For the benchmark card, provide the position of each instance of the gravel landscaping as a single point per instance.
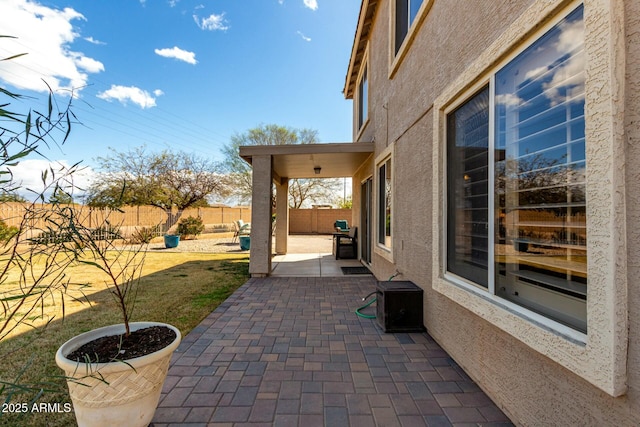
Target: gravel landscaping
(208, 244)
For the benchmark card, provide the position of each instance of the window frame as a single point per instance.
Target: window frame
(599, 356)
(386, 157)
(361, 122)
(397, 55)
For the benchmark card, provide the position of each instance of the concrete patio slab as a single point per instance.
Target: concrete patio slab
(309, 265)
(292, 351)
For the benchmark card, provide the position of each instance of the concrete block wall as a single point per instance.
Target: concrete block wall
(316, 221)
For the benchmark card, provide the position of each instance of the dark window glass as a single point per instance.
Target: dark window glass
(467, 189)
(363, 100)
(406, 12)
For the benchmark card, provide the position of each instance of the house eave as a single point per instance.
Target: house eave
(365, 20)
(335, 160)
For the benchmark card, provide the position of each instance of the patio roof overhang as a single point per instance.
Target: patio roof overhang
(335, 160)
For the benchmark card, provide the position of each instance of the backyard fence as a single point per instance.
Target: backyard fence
(129, 218)
(316, 221)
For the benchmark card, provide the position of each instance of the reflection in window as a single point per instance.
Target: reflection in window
(406, 12)
(538, 221)
(468, 189)
(363, 99)
(384, 204)
(541, 256)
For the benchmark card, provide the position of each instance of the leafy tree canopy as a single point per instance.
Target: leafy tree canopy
(301, 191)
(61, 197)
(9, 196)
(164, 179)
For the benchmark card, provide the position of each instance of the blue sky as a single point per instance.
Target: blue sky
(180, 74)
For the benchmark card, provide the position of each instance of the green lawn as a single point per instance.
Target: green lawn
(176, 288)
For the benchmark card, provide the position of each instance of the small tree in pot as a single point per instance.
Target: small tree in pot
(39, 255)
(115, 373)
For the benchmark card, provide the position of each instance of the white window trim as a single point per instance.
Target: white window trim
(600, 356)
(396, 58)
(378, 248)
(363, 67)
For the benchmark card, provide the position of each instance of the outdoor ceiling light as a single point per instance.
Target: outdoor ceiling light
(317, 170)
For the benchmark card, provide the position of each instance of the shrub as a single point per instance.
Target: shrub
(106, 232)
(52, 237)
(7, 232)
(144, 235)
(190, 226)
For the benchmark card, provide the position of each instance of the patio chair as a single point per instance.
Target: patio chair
(347, 244)
(341, 226)
(241, 228)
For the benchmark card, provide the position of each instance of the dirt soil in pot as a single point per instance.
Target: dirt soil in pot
(118, 347)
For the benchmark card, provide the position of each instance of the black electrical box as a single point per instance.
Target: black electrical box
(399, 306)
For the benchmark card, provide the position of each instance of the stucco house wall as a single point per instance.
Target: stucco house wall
(531, 387)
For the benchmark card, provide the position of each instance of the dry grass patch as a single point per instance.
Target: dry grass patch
(176, 288)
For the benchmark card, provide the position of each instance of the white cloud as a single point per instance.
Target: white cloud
(45, 34)
(173, 3)
(532, 74)
(569, 76)
(311, 4)
(508, 99)
(212, 23)
(88, 64)
(94, 41)
(177, 53)
(305, 38)
(124, 94)
(28, 175)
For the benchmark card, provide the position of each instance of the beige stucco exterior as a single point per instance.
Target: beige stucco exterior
(538, 374)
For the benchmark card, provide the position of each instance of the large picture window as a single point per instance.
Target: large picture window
(516, 208)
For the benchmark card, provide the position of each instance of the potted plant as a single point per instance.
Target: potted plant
(53, 236)
(244, 234)
(245, 242)
(115, 373)
(171, 240)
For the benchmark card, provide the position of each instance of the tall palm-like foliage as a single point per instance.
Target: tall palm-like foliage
(41, 241)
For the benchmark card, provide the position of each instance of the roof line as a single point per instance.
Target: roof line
(367, 9)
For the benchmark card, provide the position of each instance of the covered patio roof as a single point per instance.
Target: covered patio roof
(335, 160)
(279, 164)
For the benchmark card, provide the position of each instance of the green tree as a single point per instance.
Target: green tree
(9, 196)
(342, 203)
(172, 181)
(166, 179)
(61, 197)
(301, 191)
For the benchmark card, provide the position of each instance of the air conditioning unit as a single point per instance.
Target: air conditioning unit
(399, 306)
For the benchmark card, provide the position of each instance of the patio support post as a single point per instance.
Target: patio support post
(260, 255)
(282, 215)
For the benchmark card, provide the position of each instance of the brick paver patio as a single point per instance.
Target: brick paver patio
(292, 352)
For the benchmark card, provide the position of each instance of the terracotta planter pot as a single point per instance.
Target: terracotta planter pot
(116, 393)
